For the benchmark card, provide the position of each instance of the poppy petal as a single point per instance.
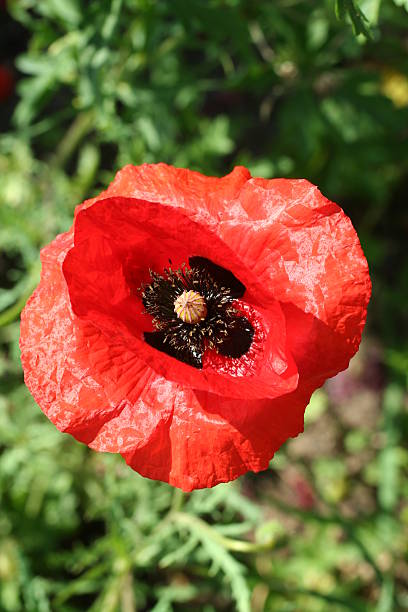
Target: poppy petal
(212, 439)
(306, 254)
(80, 378)
(177, 187)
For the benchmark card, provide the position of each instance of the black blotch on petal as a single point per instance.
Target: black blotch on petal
(239, 339)
(191, 354)
(221, 275)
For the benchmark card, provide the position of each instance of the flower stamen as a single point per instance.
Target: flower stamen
(192, 312)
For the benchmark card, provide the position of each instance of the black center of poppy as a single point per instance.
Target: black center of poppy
(208, 291)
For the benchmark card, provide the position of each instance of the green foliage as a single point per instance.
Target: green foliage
(349, 8)
(289, 89)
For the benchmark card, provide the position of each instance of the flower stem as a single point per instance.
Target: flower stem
(177, 501)
(75, 133)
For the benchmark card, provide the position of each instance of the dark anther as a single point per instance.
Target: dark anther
(193, 309)
(222, 276)
(191, 354)
(239, 339)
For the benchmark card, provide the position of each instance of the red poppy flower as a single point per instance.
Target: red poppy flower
(184, 321)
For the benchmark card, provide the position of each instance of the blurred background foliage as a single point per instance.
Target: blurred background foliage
(315, 89)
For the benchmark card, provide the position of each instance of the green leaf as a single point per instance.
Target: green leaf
(403, 3)
(219, 557)
(358, 19)
(67, 10)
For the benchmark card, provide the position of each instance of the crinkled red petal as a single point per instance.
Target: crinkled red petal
(178, 187)
(307, 255)
(80, 378)
(212, 439)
